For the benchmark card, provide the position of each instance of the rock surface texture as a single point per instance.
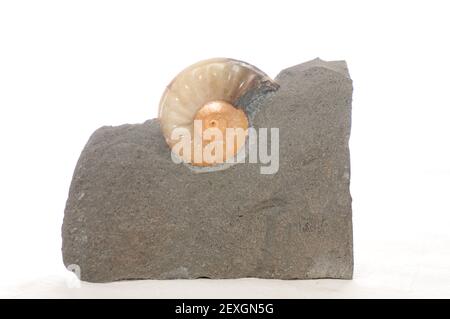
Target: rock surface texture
(134, 214)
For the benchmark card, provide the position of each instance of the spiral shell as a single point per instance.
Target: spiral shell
(209, 91)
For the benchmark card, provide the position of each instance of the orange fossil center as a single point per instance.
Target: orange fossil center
(222, 132)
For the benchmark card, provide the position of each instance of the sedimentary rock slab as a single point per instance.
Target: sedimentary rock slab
(134, 214)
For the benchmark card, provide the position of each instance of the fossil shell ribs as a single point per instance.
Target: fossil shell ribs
(212, 80)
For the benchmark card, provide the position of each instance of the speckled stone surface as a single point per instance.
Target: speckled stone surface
(134, 214)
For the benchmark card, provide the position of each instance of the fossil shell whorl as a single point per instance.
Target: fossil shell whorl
(209, 91)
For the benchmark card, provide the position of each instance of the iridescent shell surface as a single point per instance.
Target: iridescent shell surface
(213, 80)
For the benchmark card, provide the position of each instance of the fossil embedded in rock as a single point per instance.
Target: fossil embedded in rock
(208, 96)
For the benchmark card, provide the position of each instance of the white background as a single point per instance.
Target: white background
(69, 67)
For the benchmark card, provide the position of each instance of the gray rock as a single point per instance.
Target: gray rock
(134, 214)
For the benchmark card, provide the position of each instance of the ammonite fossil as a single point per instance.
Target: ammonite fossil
(215, 94)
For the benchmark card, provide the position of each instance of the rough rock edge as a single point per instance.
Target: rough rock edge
(338, 67)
